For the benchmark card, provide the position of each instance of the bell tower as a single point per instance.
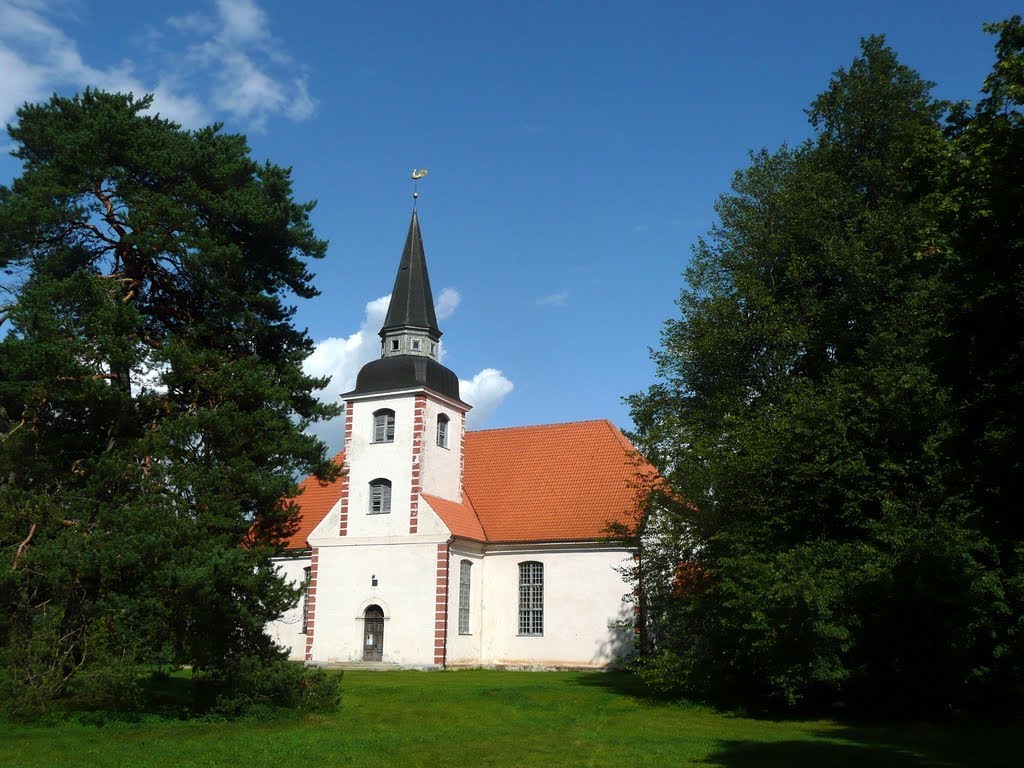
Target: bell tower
(405, 421)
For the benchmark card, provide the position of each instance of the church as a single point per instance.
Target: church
(441, 548)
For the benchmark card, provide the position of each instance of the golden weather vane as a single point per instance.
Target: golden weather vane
(417, 174)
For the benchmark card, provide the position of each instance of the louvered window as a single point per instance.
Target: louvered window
(531, 598)
(442, 431)
(380, 496)
(465, 571)
(384, 426)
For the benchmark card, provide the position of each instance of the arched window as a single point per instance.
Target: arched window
(465, 569)
(531, 598)
(384, 426)
(380, 496)
(442, 430)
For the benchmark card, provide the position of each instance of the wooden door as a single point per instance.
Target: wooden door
(373, 634)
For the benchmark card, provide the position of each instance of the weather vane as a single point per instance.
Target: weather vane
(417, 174)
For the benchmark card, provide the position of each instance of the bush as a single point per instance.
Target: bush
(256, 686)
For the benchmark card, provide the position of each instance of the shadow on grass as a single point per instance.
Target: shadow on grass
(748, 754)
(882, 744)
(879, 747)
(624, 684)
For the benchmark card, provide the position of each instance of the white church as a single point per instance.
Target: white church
(442, 548)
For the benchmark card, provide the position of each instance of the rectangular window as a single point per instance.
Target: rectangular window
(384, 426)
(531, 598)
(380, 497)
(307, 573)
(465, 569)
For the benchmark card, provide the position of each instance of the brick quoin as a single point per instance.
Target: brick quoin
(311, 615)
(441, 605)
(417, 455)
(462, 453)
(343, 509)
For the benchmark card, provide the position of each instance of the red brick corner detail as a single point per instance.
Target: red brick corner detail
(343, 511)
(418, 422)
(441, 606)
(311, 615)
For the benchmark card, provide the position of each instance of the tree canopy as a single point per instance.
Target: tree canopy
(152, 401)
(839, 404)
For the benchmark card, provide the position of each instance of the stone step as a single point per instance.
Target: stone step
(379, 666)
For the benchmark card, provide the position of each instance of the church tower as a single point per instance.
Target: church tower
(405, 422)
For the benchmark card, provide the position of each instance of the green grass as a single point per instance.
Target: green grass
(487, 718)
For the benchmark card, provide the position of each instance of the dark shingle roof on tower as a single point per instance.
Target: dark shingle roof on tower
(412, 303)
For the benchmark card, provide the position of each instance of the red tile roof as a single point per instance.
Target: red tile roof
(461, 519)
(315, 500)
(553, 482)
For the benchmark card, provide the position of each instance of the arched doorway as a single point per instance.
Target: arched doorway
(373, 631)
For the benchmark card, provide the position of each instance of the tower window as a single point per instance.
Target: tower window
(416, 344)
(442, 430)
(531, 598)
(384, 426)
(380, 496)
(394, 343)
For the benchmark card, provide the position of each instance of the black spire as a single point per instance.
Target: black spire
(412, 304)
(410, 338)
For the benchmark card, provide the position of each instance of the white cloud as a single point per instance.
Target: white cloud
(243, 20)
(341, 357)
(199, 67)
(485, 392)
(447, 302)
(559, 299)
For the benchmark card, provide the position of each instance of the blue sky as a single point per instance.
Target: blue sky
(575, 149)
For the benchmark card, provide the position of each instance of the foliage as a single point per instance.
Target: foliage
(492, 718)
(152, 399)
(814, 408)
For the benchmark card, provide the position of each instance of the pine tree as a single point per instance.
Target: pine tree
(152, 400)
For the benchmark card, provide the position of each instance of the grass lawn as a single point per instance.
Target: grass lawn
(487, 718)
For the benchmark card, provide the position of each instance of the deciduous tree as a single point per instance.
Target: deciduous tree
(802, 409)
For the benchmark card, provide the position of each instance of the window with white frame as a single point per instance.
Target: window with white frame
(465, 573)
(384, 426)
(442, 430)
(380, 496)
(531, 598)
(307, 575)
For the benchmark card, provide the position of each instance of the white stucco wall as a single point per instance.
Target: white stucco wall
(368, 461)
(464, 650)
(583, 602)
(405, 569)
(441, 466)
(287, 631)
